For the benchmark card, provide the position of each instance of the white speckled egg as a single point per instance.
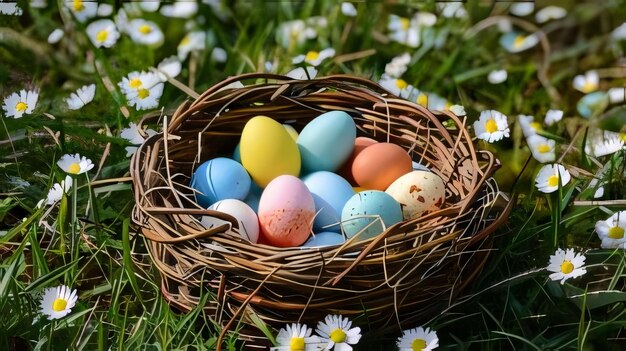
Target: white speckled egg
(418, 193)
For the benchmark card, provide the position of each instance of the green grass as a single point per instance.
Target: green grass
(511, 305)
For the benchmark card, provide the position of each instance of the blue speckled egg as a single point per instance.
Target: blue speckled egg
(371, 209)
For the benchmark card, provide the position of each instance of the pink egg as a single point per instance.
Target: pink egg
(286, 212)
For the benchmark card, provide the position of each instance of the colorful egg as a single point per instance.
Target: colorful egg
(218, 179)
(379, 165)
(268, 151)
(360, 143)
(248, 221)
(330, 193)
(286, 212)
(418, 192)
(324, 239)
(327, 141)
(369, 213)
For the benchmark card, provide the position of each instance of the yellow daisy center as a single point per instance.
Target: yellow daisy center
(21, 106)
(312, 55)
(145, 29)
(59, 305)
(338, 335)
(535, 125)
(567, 267)
(102, 35)
(78, 5)
(543, 148)
(405, 23)
(418, 344)
(185, 41)
(589, 86)
(422, 99)
(553, 180)
(135, 83)
(519, 41)
(616, 233)
(491, 126)
(401, 83)
(143, 93)
(296, 344)
(74, 168)
(447, 106)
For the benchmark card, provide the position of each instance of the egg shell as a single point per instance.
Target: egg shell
(268, 151)
(379, 165)
(254, 196)
(367, 209)
(220, 178)
(286, 212)
(292, 131)
(418, 193)
(327, 141)
(248, 220)
(237, 153)
(324, 239)
(330, 193)
(360, 143)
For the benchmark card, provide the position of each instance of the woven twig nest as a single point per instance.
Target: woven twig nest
(404, 276)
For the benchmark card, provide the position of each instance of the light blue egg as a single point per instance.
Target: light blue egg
(330, 193)
(592, 104)
(367, 209)
(254, 196)
(420, 167)
(324, 239)
(326, 142)
(218, 179)
(237, 153)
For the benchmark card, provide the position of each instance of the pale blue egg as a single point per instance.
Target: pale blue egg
(330, 193)
(324, 239)
(218, 179)
(237, 153)
(371, 209)
(326, 142)
(592, 104)
(254, 196)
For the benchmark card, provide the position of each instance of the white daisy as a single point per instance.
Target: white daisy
(300, 74)
(619, 33)
(219, 55)
(418, 339)
(296, 337)
(149, 5)
(145, 32)
(121, 20)
(396, 86)
(602, 143)
(542, 148)
(135, 80)
(82, 10)
(547, 180)
(522, 8)
(431, 101)
(180, 9)
(16, 105)
(55, 36)
(452, 9)
(566, 264)
(335, 331)
(552, 117)
(136, 136)
(516, 42)
(587, 83)
(103, 33)
(549, 13)
(458, 110)
(55, 194)
(143, 91)
(398, 65)
(348, 9)
(81, 97)
(294, 33)
(528, 125)
(617, 95)
(405, 31)
(497, 76)
(611, 231)
(10, 9)
(58, 302)
(193, 41)
(169, 68)
(38, 4)
(314, 58)
(491, 126)
(74, 164)
(104, 10)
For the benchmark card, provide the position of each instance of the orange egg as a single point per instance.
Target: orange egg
(360, 143)
(379, 165)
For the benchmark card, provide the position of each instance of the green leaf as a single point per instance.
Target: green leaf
(614, 120)
(595, 299)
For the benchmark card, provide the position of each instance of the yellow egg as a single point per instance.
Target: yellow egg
(292, 132)
(268, 151)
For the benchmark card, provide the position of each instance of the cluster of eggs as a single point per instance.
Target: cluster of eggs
(314, 188)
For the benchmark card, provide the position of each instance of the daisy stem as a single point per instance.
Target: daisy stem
(17, 164)
(75, 242)
(556, 216)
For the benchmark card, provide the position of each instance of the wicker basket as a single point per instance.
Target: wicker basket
(404, 276)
